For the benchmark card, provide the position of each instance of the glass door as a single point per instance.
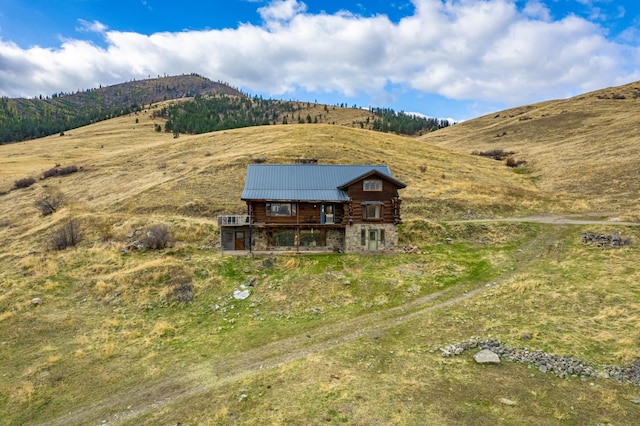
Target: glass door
(327, 213)
(373, 239)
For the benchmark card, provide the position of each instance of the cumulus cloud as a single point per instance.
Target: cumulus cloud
(487, 51)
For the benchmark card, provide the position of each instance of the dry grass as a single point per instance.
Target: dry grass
(111, 322)
(583, 147)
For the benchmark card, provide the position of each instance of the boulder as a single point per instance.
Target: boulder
(486, 356)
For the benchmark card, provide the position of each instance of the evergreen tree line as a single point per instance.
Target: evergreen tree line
(387, 120)
(39, 119)
(222, 112)
(208, 114)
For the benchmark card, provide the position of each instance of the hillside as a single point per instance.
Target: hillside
(584, 147)
(23, 119)
(103, 333)
(194, 105)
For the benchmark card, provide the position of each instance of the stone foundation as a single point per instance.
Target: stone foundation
(358, 237)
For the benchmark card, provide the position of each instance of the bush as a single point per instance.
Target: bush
(512, 162)
(59, 171)
(157, 237)
(24, 183)
(48, 203)
(497, 154)
(68, 235)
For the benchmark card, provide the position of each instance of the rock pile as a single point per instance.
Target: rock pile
(561, 366)
(411, 249)
(605, 240)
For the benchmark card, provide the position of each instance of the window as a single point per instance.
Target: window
(312, 238)
(283, 238)
(281, 209)
(372, 211)
(372, 185)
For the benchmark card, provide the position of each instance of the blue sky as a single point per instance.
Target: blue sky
(445, 58)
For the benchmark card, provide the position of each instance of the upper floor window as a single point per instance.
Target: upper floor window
(372, 185)
(281, 209)
(372, 211)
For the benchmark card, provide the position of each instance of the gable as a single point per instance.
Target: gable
(373, 174)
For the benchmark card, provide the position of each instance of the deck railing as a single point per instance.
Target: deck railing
(233, 220)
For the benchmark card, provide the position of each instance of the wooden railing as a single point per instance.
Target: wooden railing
(233, 220)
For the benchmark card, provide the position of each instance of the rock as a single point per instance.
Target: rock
(241, 294)
(347, 282)
(525, 336)
(543, 368)
(267, 263)
(506, 401)
(411, 249)
(393, 282)
(486, 356)
(252, 281)
(635, 400)
(36, 301)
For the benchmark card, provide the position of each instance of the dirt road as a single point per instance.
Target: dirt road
(552, 220)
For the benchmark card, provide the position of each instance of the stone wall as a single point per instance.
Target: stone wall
(335, 239)
(259, 240)
(353, 237)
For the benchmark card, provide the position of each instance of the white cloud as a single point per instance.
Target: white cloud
(468, 50)
(93, 27)
(281, 10)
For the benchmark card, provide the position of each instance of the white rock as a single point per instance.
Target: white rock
(486, 356)
(241, 295)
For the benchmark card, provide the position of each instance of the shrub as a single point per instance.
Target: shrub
(68, 235)
(497, 154)
(183, 289)
(48, 203)
(24, 183)
(512, 162)
(59, 171)
(157, 237)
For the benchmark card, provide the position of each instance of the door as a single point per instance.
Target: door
(239, 240)
(373, 239)
(327, 214)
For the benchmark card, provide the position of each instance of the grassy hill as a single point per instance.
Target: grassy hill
(101, 333)
(581, 147)
(24, 119)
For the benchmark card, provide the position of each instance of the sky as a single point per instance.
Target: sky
(456, 59)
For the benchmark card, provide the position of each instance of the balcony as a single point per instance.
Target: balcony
(233, 220)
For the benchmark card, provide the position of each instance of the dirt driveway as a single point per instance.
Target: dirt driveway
(552, 219)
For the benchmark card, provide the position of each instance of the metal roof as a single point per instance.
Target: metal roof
(303, 182)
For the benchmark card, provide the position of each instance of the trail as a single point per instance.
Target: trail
(201, 378)
(551, 219)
